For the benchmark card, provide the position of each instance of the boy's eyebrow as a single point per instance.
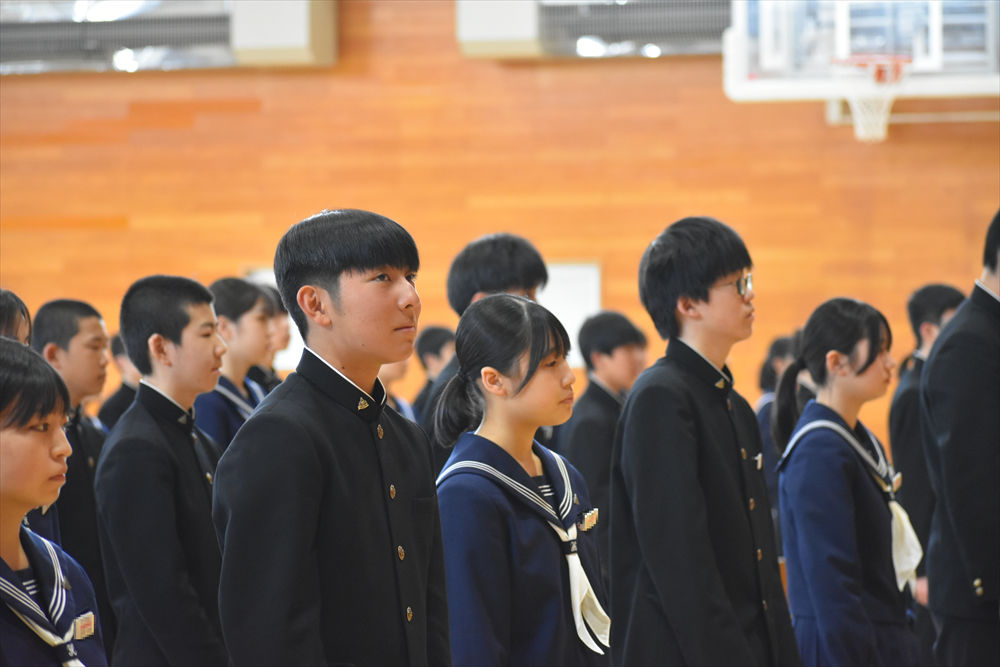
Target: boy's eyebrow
(208, 323)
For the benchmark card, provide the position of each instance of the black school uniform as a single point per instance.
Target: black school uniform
(694, 575)
(331, 540)
(116, 405)
(161, 556)
(960, 418)
(586, 440)
(77, 507)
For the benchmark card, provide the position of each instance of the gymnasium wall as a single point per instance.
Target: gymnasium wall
(105, 178)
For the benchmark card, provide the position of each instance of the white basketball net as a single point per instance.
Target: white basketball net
(870, 105)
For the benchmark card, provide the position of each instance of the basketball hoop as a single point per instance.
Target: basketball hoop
(871, 99)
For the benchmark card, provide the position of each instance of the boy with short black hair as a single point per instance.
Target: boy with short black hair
(614, 351)
(154, 482)
(694, 573)
(491, 264)
(435, 347)
(70, 335)
(325, 505)
(116, 404)
(929, 308)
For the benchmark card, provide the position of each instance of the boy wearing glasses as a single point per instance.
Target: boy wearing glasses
(694, 572)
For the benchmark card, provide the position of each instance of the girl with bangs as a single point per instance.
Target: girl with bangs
(849, 546)
(522, 567)
(49, 612)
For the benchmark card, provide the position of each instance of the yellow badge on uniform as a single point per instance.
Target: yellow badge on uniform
(83, 626)
(589, 520)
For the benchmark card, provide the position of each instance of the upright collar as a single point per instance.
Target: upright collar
(164, 408)
(340, 388)
(983, 297)
(599, 384)
(475, 454)
(694, 362)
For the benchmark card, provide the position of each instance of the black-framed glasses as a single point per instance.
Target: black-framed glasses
(744, 284)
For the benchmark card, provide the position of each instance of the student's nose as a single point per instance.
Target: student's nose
(105, 358)
(569, 377)
(61, 449)
(409, 297)
(220, 346)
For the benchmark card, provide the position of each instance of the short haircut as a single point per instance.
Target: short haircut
(274, 296)
(684, 261)
(234, 297)
(29, 386)
(929, 304)
(431, 340)
(58, 321)
(492, 264)
(992, 246)
(606, 331)
(157, 305)
(12, 309)
(783, 346)
(117, 346)
(317, 250)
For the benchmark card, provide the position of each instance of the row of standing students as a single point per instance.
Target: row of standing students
(358, 574)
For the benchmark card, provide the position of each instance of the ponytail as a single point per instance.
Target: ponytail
(458, 410)
(786, 409)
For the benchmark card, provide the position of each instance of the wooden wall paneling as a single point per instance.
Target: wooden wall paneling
(105, 178)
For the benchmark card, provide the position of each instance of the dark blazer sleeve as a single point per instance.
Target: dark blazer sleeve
(659, 463)
(265, 510)
(477, 567)
(965, 431)
(915, 493)
(168, 602)
(817, 487)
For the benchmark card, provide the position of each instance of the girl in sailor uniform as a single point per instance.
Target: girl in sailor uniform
(849, 546)
(244, 311)
(523, 571)
(49, 612)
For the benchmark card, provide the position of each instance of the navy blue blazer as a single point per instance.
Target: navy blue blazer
(221, 412)
(331, 540)
(508, 580)
(837, 533)
(161, 556)
(960, 418)
(63, 586)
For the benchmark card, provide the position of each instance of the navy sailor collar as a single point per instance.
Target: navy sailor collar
(477, 455)
(52, 587)
(337, 386)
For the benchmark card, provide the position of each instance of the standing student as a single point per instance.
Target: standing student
(614, 351)
(523, 570)
(244, 313)
(264, 374)
(694, 570)
(116, 404)
(843, 531)
(491, 264)
(929, 309)
(48, 612)
(324, 502)
(15, 320)
(779, 355)
(154, 483)
(70, 335)
(960, 416)
(15, 323)
(435, 347)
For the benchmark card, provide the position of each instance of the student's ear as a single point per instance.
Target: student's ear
(597, 360)
(316, 303)
(493, 381)
(51, 353)
(688, 308)
(836, 363)
(158, 350)
(928, 331)
(226, 327)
